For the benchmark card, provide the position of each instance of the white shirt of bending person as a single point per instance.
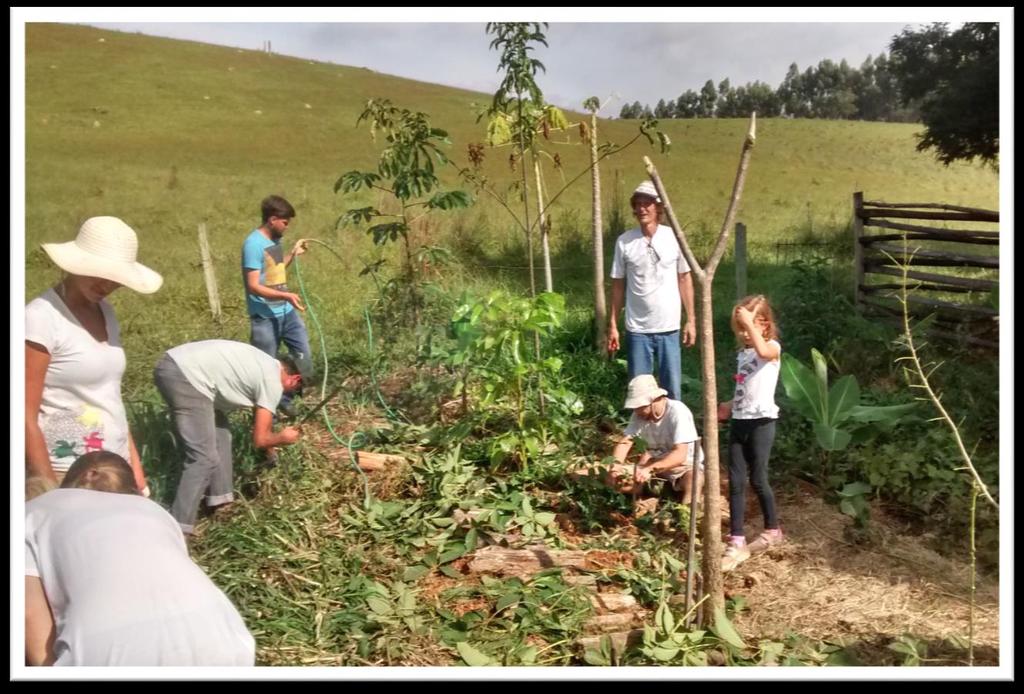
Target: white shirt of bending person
(122, 588)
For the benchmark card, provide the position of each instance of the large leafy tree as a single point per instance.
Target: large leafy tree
(954, 79)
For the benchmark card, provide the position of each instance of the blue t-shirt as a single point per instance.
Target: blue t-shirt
(260, 253)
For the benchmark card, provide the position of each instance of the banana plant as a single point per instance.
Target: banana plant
(836, 412)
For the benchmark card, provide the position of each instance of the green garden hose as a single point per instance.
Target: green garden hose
(358, 438)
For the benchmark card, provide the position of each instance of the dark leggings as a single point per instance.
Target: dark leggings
(750, 444)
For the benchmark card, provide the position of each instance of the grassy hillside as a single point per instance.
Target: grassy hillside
(169, 134)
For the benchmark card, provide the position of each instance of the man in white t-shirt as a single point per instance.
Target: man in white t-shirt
(653, 280)
(667, 427)
(201, 382)
(108, 580)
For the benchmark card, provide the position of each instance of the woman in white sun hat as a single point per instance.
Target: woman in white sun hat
(74, 360)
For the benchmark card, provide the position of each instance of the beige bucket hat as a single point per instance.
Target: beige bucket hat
(105, 247)
(643, 390)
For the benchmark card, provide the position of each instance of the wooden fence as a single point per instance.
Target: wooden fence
(970, 321)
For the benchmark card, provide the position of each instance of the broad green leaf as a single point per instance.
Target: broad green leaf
(831, 439)
(855, 489)
(506, 600)
(664, 654)
(527, 510)
(696, 658)
(414, 573)
(801, 388)
(594, 656)
(844, 657)
(451, 555)
(842, 397)
(820, 372)
(672, 563)
(724, 630)
(888, 413)
(544, 518)
(450, 200)
(846, 507)
(379, 605)
(472, 656)
(450, 571)
(695, 637)
(666, 622)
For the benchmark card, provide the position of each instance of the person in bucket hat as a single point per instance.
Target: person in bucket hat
(201, 382)
(652, 280)
(667, 427)
(74, 359)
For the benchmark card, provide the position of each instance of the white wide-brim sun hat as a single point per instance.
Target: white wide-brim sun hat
(643, 390)
(105, 247)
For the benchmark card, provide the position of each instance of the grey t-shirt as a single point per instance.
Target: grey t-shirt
(232, 374)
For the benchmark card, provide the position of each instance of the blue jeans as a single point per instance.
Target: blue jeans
(644, 351)
(267, 333)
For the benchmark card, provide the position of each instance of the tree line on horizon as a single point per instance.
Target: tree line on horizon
(828, 90)
(946, 80)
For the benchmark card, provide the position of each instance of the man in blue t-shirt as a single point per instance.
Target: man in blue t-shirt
(272, 308)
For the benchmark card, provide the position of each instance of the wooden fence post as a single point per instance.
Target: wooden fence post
(741, 260)
(858, 249)
(208, 273)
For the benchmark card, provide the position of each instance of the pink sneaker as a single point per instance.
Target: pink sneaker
(736, 552)
(769, 538)
(734, 556)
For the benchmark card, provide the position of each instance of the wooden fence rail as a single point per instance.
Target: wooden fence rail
(883, 254)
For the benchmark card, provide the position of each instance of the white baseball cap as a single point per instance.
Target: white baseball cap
(646, 188)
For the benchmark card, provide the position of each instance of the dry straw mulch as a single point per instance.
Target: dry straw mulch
(820, 585)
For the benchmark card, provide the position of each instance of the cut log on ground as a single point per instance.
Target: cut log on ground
(372, 462)
(612, 602)
(616, 621)
(524, 562)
